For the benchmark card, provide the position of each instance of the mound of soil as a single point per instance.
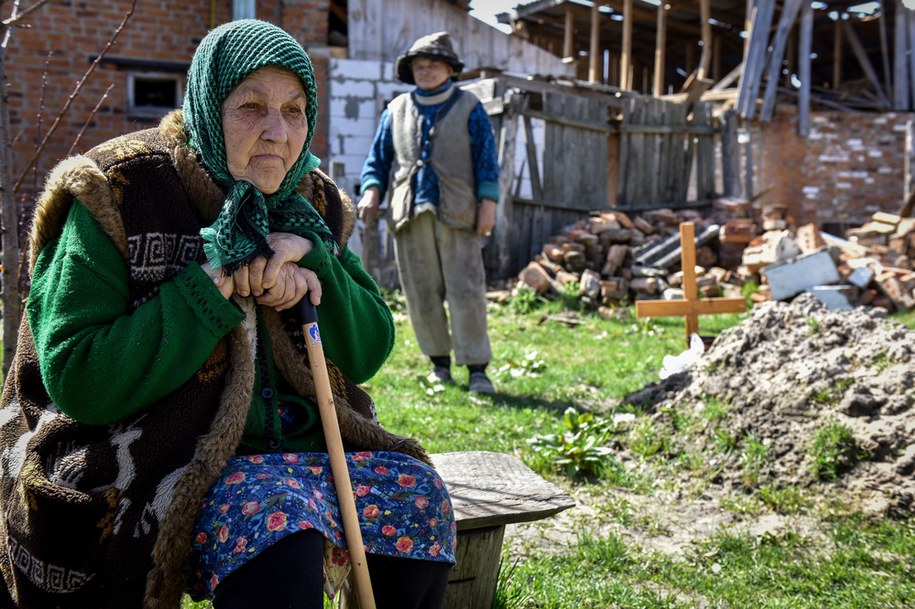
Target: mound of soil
(786, 373)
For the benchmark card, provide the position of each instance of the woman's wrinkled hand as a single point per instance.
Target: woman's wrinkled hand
(262, 273)
(293, 283)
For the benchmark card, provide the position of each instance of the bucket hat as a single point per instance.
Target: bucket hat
(434, 46)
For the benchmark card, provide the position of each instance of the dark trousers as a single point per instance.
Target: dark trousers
(289, 575)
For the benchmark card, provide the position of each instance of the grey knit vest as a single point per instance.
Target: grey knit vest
(450, 159)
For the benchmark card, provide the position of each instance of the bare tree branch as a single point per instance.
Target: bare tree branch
(89, 120)
(44, 89)
(74, 95)
(16, 17)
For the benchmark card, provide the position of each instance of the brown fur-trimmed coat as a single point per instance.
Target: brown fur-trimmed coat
(100, 517)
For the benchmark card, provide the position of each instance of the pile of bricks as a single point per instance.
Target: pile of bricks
(872, 265)
(615, 258)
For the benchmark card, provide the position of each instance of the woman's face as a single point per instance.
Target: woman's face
(429, 74)
(265, 127)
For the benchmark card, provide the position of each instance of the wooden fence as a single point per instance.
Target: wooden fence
(599, 150)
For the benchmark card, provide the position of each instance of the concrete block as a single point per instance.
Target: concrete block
(836, 297)
(787, 279)
(861, 276)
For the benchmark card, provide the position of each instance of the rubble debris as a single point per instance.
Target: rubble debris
(617, 258)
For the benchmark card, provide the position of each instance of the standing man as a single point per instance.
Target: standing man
(435, 150)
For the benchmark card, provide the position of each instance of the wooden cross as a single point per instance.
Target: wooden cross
(691, 306)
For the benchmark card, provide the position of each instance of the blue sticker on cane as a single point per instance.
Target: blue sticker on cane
(314, 334)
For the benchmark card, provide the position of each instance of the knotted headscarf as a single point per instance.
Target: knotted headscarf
(224, 58)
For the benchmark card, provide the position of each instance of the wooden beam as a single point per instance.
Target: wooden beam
(754, 60)
(805, 47)
(884, 48)
(706, 28)
(569, 36)
(626, 53)
(594, 49)
(507, 233)
(900, 59)
(909, 162)
(837, 54)
(730, 153)
(776, 56)
(864, 62)
(660, 46)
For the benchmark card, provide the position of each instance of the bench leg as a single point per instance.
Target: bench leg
(472, 583)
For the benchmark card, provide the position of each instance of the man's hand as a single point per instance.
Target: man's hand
(486, 217)
(369, 204)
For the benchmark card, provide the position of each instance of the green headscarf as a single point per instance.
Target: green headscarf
(225, 57)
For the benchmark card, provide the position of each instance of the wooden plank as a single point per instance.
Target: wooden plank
(652, 186)
(626, 47)
(705, 153)
(755, 56)
(910, 20)
(568, 37)
(532, 159)
(805, 46)
(623, 163)
(884, 49)
(908, 168)
(493, 489)
(706, 29)
(730, 154)
(776, 56)
(901, 88)
(659, 48)
(837, 54)
(569, 122)
(682, 153)
(864, 62)
(506, 231)
(594, 48)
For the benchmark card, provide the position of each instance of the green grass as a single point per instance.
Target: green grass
(543, 366)
(546, 363)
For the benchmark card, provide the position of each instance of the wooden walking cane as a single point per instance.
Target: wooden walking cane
(308, 315)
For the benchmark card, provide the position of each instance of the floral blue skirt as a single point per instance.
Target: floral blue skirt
(402, 504)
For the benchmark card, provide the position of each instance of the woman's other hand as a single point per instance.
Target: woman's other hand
(225, 284)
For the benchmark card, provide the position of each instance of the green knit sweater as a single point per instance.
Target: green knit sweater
(78, 311)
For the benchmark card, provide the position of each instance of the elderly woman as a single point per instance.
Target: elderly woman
(159, 432)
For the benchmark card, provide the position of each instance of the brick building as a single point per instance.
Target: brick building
(143, 72)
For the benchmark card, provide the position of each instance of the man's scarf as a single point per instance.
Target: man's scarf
(225, 57)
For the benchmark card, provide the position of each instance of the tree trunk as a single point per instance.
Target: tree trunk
(9, 228)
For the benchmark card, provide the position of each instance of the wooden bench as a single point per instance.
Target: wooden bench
(488, 491)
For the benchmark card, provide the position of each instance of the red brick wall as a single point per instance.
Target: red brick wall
(72, 32)
(849, 166)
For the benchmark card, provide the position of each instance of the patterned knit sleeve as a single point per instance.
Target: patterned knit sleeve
(100, 360)
(484, 154)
